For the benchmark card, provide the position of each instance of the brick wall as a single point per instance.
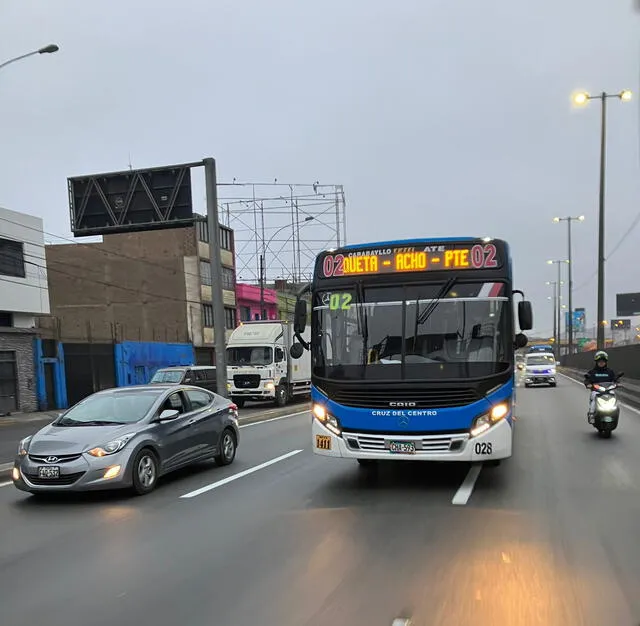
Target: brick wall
(131, 287)
(22, 345)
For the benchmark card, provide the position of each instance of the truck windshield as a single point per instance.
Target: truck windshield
(541, 359)
(249, 355)
(403, 333)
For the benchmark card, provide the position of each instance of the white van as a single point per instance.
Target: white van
(540, 369)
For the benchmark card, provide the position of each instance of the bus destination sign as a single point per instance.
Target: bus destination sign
(410, 259)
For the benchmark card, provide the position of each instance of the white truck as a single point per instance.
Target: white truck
(259, 366)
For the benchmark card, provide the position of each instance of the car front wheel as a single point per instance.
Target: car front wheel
(145, 472)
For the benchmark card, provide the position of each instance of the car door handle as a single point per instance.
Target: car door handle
(192, 421)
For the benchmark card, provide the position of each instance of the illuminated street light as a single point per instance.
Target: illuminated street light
(582, 99)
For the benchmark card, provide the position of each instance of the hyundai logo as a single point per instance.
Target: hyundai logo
(51, 459)
(402, 404)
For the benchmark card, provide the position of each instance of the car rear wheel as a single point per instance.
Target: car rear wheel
(228, 447)
(145, 472)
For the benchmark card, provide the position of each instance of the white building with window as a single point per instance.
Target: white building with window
(23, 296)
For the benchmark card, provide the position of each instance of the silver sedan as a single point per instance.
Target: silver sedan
(127, 438)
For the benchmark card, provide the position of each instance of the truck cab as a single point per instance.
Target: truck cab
(259, 367)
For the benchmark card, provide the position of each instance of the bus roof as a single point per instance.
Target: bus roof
(399, 242)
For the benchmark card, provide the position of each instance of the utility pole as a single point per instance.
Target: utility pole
(215, 260)
(262, 278)
(570, 325)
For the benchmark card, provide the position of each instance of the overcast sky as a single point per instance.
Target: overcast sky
(438, 117)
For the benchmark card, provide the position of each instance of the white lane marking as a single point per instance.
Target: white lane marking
(251, 470)
(624, 404)
(466, 488)
(401, 621)
(5, 466)
(274, 419)
(6, 484)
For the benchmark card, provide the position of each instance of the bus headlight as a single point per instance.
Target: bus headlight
(484, 422)
(327, 420)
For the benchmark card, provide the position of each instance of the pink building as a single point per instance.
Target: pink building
(248, 303)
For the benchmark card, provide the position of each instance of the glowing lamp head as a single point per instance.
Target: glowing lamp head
(581, 98)
(626, 95)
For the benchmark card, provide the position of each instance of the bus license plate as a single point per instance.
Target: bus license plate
(323, 442)
(49, 472)
(402, 447)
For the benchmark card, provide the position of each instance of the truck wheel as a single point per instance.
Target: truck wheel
(239, 402)
(281, 395)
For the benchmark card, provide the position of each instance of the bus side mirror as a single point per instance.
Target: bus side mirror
(300, 318)
(525, 315)
(296, 350)
(521, 341)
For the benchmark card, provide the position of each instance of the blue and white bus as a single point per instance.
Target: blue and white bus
(412, 346)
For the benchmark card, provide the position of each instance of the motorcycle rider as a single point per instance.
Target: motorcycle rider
(601, 373)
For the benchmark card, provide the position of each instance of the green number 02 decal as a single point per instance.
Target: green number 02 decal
(340, 301)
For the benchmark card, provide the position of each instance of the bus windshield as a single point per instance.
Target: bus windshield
(389, 333)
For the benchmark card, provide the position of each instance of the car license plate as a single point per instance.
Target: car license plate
(49, 472)
(402, 447)
(323, 442)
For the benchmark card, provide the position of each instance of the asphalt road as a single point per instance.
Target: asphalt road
(548, 538)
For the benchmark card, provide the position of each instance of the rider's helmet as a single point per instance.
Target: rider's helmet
(601, 355)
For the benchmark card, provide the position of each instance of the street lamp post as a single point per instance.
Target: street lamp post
(568, 220)
(556, 306)
(262, 260)
(559, 263)
(51, 48)
(582, 99)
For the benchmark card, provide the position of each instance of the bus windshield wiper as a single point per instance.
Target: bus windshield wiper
(421, 318)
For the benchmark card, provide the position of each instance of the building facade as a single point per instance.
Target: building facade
(134, 302)
(23, 297)
(249, 303)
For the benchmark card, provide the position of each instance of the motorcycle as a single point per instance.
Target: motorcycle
(607, 410)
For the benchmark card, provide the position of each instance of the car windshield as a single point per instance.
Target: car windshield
(249, 355)
(168, 376)
(118, 407)
(405, 333)
(541, 359)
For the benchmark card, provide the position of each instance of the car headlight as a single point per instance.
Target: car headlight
(484, 422)
(269, 384)
(112, 447)
(328, 421)
(23, 446)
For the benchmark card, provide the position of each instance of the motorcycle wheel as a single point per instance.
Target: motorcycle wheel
(605, 434)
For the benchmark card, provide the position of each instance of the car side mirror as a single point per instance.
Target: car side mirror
(168, 414)
(296, 350)
(300, 318)
(525, 315)
(521, 340)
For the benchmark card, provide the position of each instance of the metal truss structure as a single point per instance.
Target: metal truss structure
(284, 225)
(129, 201)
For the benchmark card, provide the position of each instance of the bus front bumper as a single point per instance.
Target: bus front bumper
(494, 444)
